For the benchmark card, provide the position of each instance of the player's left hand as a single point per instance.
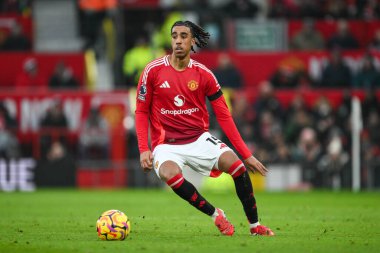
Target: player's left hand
(255, 165)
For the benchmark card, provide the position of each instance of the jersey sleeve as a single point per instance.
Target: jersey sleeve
(212, 85)
(143, 103)
(228, 126)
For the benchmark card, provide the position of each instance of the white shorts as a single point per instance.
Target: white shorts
(201, 155)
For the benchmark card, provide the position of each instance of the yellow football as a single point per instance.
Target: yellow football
(113, 225)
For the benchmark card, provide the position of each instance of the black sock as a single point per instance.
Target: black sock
(188, 192)
(244, 190)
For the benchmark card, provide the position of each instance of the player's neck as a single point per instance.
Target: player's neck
(179, 63)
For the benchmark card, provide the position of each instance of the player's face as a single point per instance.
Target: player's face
(182, 40)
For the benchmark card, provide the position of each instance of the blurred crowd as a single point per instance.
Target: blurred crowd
(23, 7)
(353, 9)
(32, 78)
(152, 40)
(316, 136)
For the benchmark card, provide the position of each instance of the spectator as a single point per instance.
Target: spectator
(282, 153)
(63, 78)
(372, 148)
(267, 121)
(9, 146)
(370, 103)
(334, 166)
(3, 36)
(370, 143)
(53, 131)
(336, 74)
(368, 76)
(309, 38)
(285, 77)
(267, 128)
(371, 137)
(324, 118)
(342, 38)
(307, 153)
(373, 126)
(299, 117)
(336, 9)
(290, 74)
(343, 114)
(55, 117)
(310, 9)
(282, 9)
(240, 9)
(375, 43)
(31, 77)
(93, 13)
(368, 9)
(266, 101)
(23, 7)
(94, 137)
(246, 132)
(227, 74)
(242, 115)
(16, 40)
(136, 59)
(297, 104)
(9, 121)
(56, 166)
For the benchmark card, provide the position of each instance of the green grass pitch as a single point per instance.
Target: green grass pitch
(64, 221)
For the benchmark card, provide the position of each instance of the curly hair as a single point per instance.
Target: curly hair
(200, 35)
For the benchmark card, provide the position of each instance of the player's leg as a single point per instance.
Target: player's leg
(229, 162)
(171, 173)
(168, 163)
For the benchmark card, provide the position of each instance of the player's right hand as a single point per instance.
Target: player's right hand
(146, 160)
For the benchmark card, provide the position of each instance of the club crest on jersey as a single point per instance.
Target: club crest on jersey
(142, 92)
(192, 85)
(156, 164)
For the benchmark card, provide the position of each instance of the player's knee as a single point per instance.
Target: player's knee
(226, 160)
(168, 170)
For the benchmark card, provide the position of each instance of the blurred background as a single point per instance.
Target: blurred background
(302, 79)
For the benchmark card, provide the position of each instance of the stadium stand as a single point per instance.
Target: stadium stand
(309, 125)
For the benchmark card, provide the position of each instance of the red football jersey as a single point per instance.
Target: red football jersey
(175, 100)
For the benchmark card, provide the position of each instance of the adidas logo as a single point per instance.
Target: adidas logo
(165, 85)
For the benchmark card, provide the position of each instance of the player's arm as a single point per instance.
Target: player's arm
(228, 126)
(143, 101)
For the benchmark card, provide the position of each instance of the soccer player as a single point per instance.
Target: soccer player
(171, 96)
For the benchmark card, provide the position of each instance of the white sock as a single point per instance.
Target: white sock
(254, 225)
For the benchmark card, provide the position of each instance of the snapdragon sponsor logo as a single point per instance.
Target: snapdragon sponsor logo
(179, 111)
(179, 100)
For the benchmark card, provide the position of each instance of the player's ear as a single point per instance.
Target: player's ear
(192, 41)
